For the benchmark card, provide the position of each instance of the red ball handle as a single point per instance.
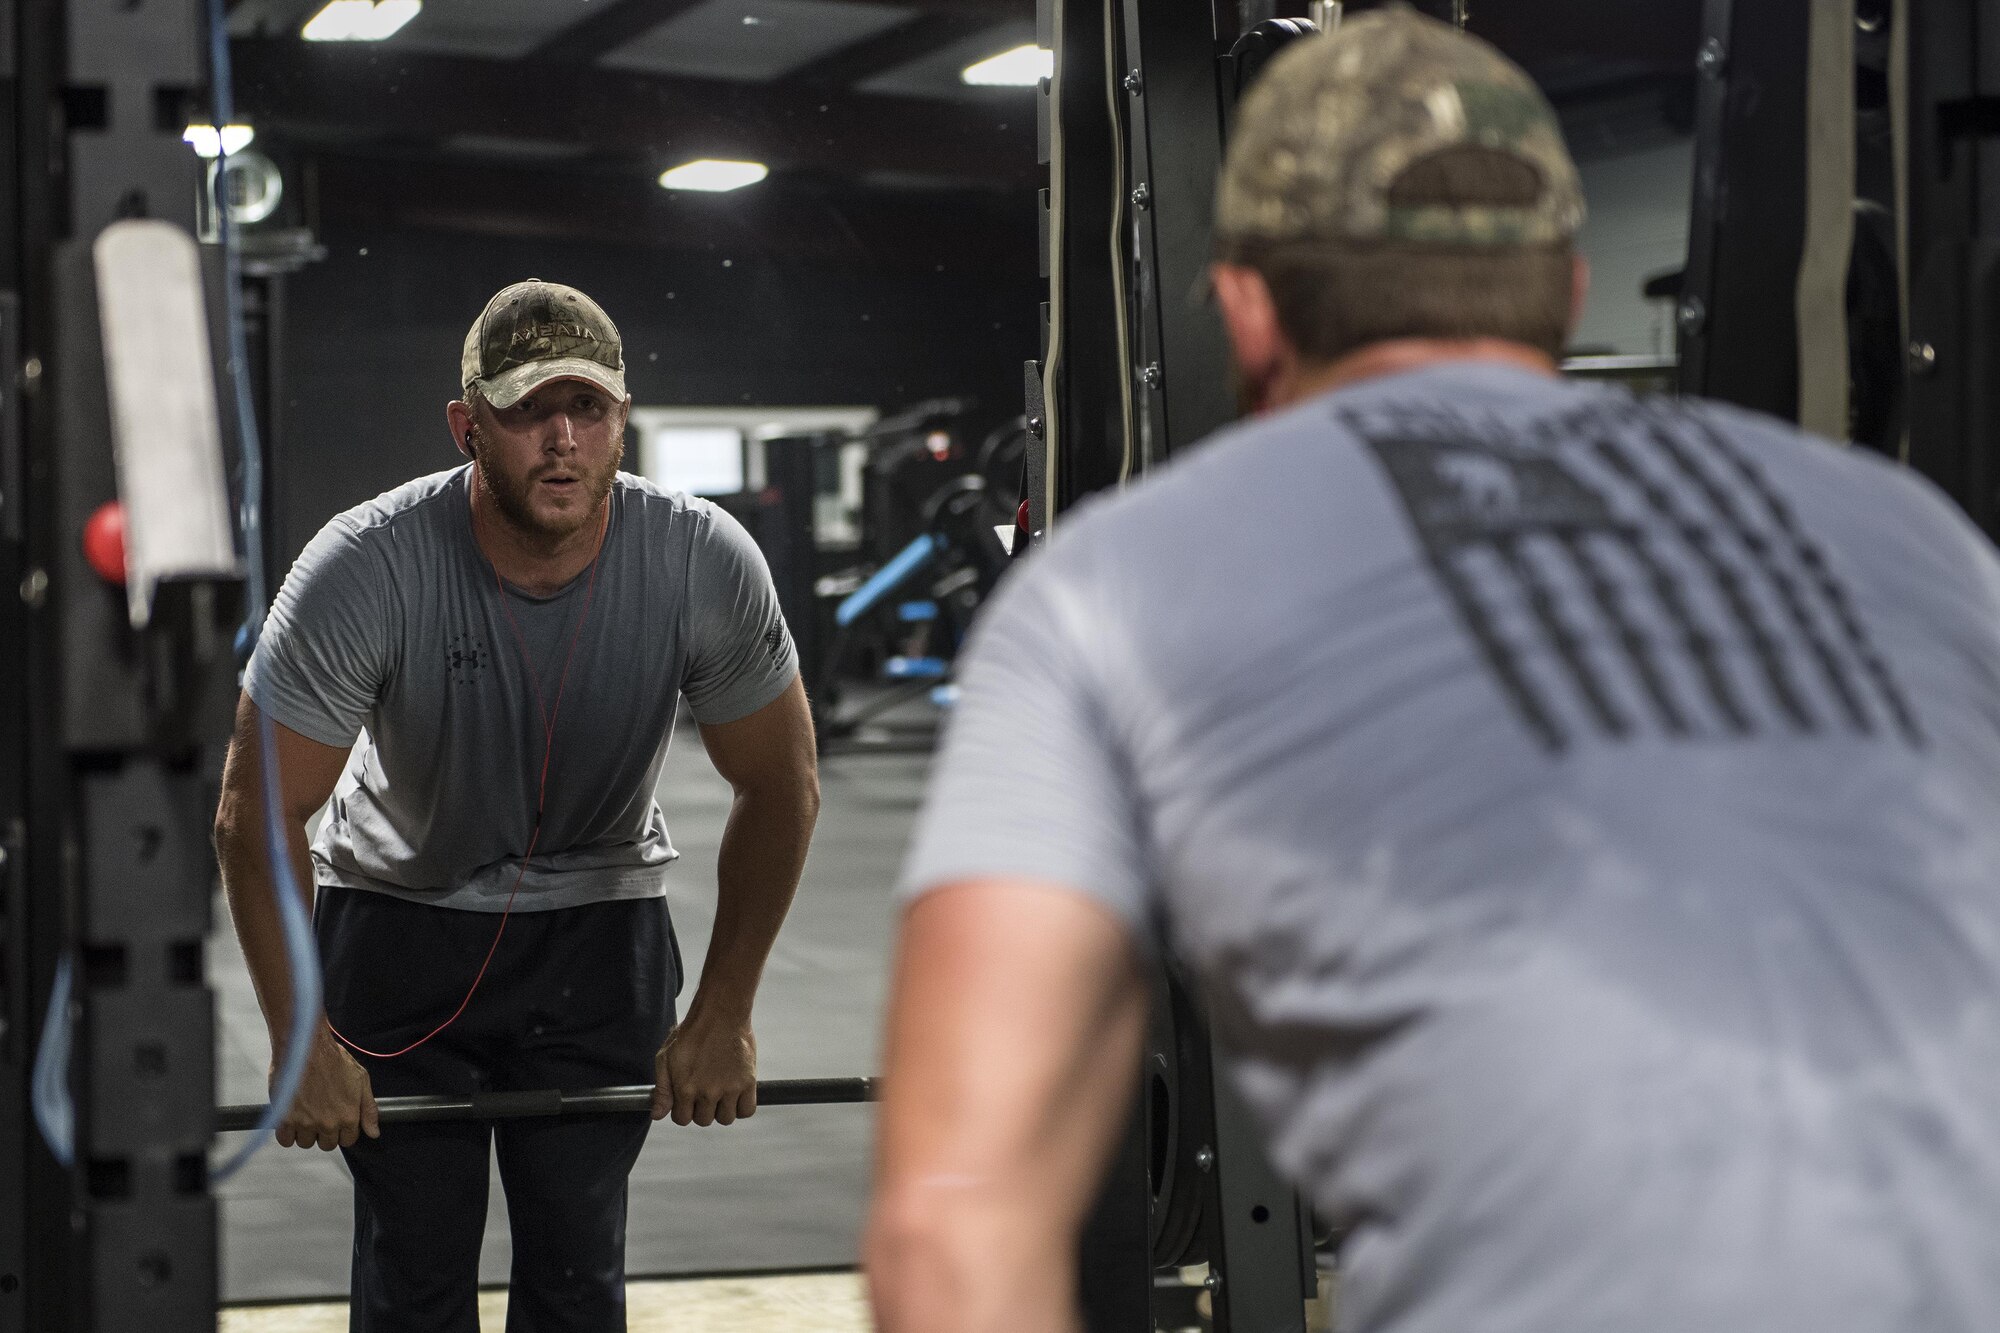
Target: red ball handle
(104, 542)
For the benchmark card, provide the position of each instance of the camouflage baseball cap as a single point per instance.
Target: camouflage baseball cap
(1328, 139)
(534, 332)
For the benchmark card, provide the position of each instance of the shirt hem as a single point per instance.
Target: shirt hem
(626, 886)
(735, 711)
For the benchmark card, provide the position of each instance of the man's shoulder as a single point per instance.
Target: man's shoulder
(1838, 479)
(421, 500)
(1307, 476)
(379, 527)
(651, 503)
(1195, 499)
(1311, 440)
(645, 491)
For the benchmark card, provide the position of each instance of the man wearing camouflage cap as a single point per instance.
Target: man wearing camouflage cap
(1578, 809)
(515, 635)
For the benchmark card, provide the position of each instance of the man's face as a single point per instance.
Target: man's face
(549, 459)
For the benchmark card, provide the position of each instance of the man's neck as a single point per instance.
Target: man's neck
(535, 562)
(1399, 355)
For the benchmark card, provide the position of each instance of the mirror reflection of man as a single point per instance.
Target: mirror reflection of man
(1581, 809)
(510, 641)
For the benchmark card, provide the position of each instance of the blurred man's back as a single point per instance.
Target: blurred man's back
(1584, 812)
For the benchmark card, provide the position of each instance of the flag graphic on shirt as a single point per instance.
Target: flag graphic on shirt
(1625, 569)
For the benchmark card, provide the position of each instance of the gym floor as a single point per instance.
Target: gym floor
(783, 1191)
(797, 1303)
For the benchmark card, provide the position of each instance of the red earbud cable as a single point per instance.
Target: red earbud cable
(549, 716)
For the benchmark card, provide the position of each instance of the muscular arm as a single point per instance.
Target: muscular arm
(1015, 1026)
(707, 1070)
(307, 772)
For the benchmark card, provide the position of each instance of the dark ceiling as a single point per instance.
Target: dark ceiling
(554, 117)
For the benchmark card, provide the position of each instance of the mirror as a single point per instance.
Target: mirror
(813, 224)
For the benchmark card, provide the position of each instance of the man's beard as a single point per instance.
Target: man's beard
(512, 495)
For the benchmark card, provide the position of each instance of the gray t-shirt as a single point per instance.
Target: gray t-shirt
(1584, 813)
(393, 620)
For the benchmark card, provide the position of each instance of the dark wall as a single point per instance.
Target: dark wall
(370, 341)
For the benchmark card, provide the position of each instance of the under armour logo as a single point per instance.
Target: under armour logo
(465, 659)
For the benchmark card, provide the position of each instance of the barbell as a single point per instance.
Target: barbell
(584, 1101)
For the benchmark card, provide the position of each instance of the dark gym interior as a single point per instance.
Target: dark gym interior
(834, 353)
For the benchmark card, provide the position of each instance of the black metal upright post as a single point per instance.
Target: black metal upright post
(38, 1252)
(1257, 1244)
(116, 873)
(24, 1210)
(1115, 1261)
(1087, 374)
(22, 1199)
(1143, 94)
(1739, 336)
(1954, 251)
(1081, 357)
(1175, 110)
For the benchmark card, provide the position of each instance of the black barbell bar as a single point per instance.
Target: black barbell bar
(585, 1101)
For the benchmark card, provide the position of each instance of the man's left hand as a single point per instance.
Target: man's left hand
(706, 1072)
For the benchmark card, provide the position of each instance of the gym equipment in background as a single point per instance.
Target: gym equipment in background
(878, 625)
(927, 595)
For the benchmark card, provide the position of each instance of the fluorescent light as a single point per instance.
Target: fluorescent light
(208, 144)
(360, 20)
(713, 176)
(1022, 67)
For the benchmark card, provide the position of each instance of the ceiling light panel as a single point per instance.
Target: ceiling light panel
(755, 40)
(712, 176)
(360, 20)
(494, 29)
(1022, 67)
(941, 74)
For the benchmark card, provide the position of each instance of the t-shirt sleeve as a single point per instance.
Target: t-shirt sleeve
(324, 655)
(1032, 781)
(740, 654)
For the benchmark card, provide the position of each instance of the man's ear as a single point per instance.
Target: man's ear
(459, 415)
(1250, 317)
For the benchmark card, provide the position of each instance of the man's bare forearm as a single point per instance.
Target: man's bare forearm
(246, 880)
(1016, 1018)
(763, 853)
(307, 771)
(970, 1256)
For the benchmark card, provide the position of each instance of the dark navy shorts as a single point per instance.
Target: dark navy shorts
(574, 998)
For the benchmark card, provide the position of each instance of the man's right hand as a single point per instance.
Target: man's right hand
(335, 1105)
